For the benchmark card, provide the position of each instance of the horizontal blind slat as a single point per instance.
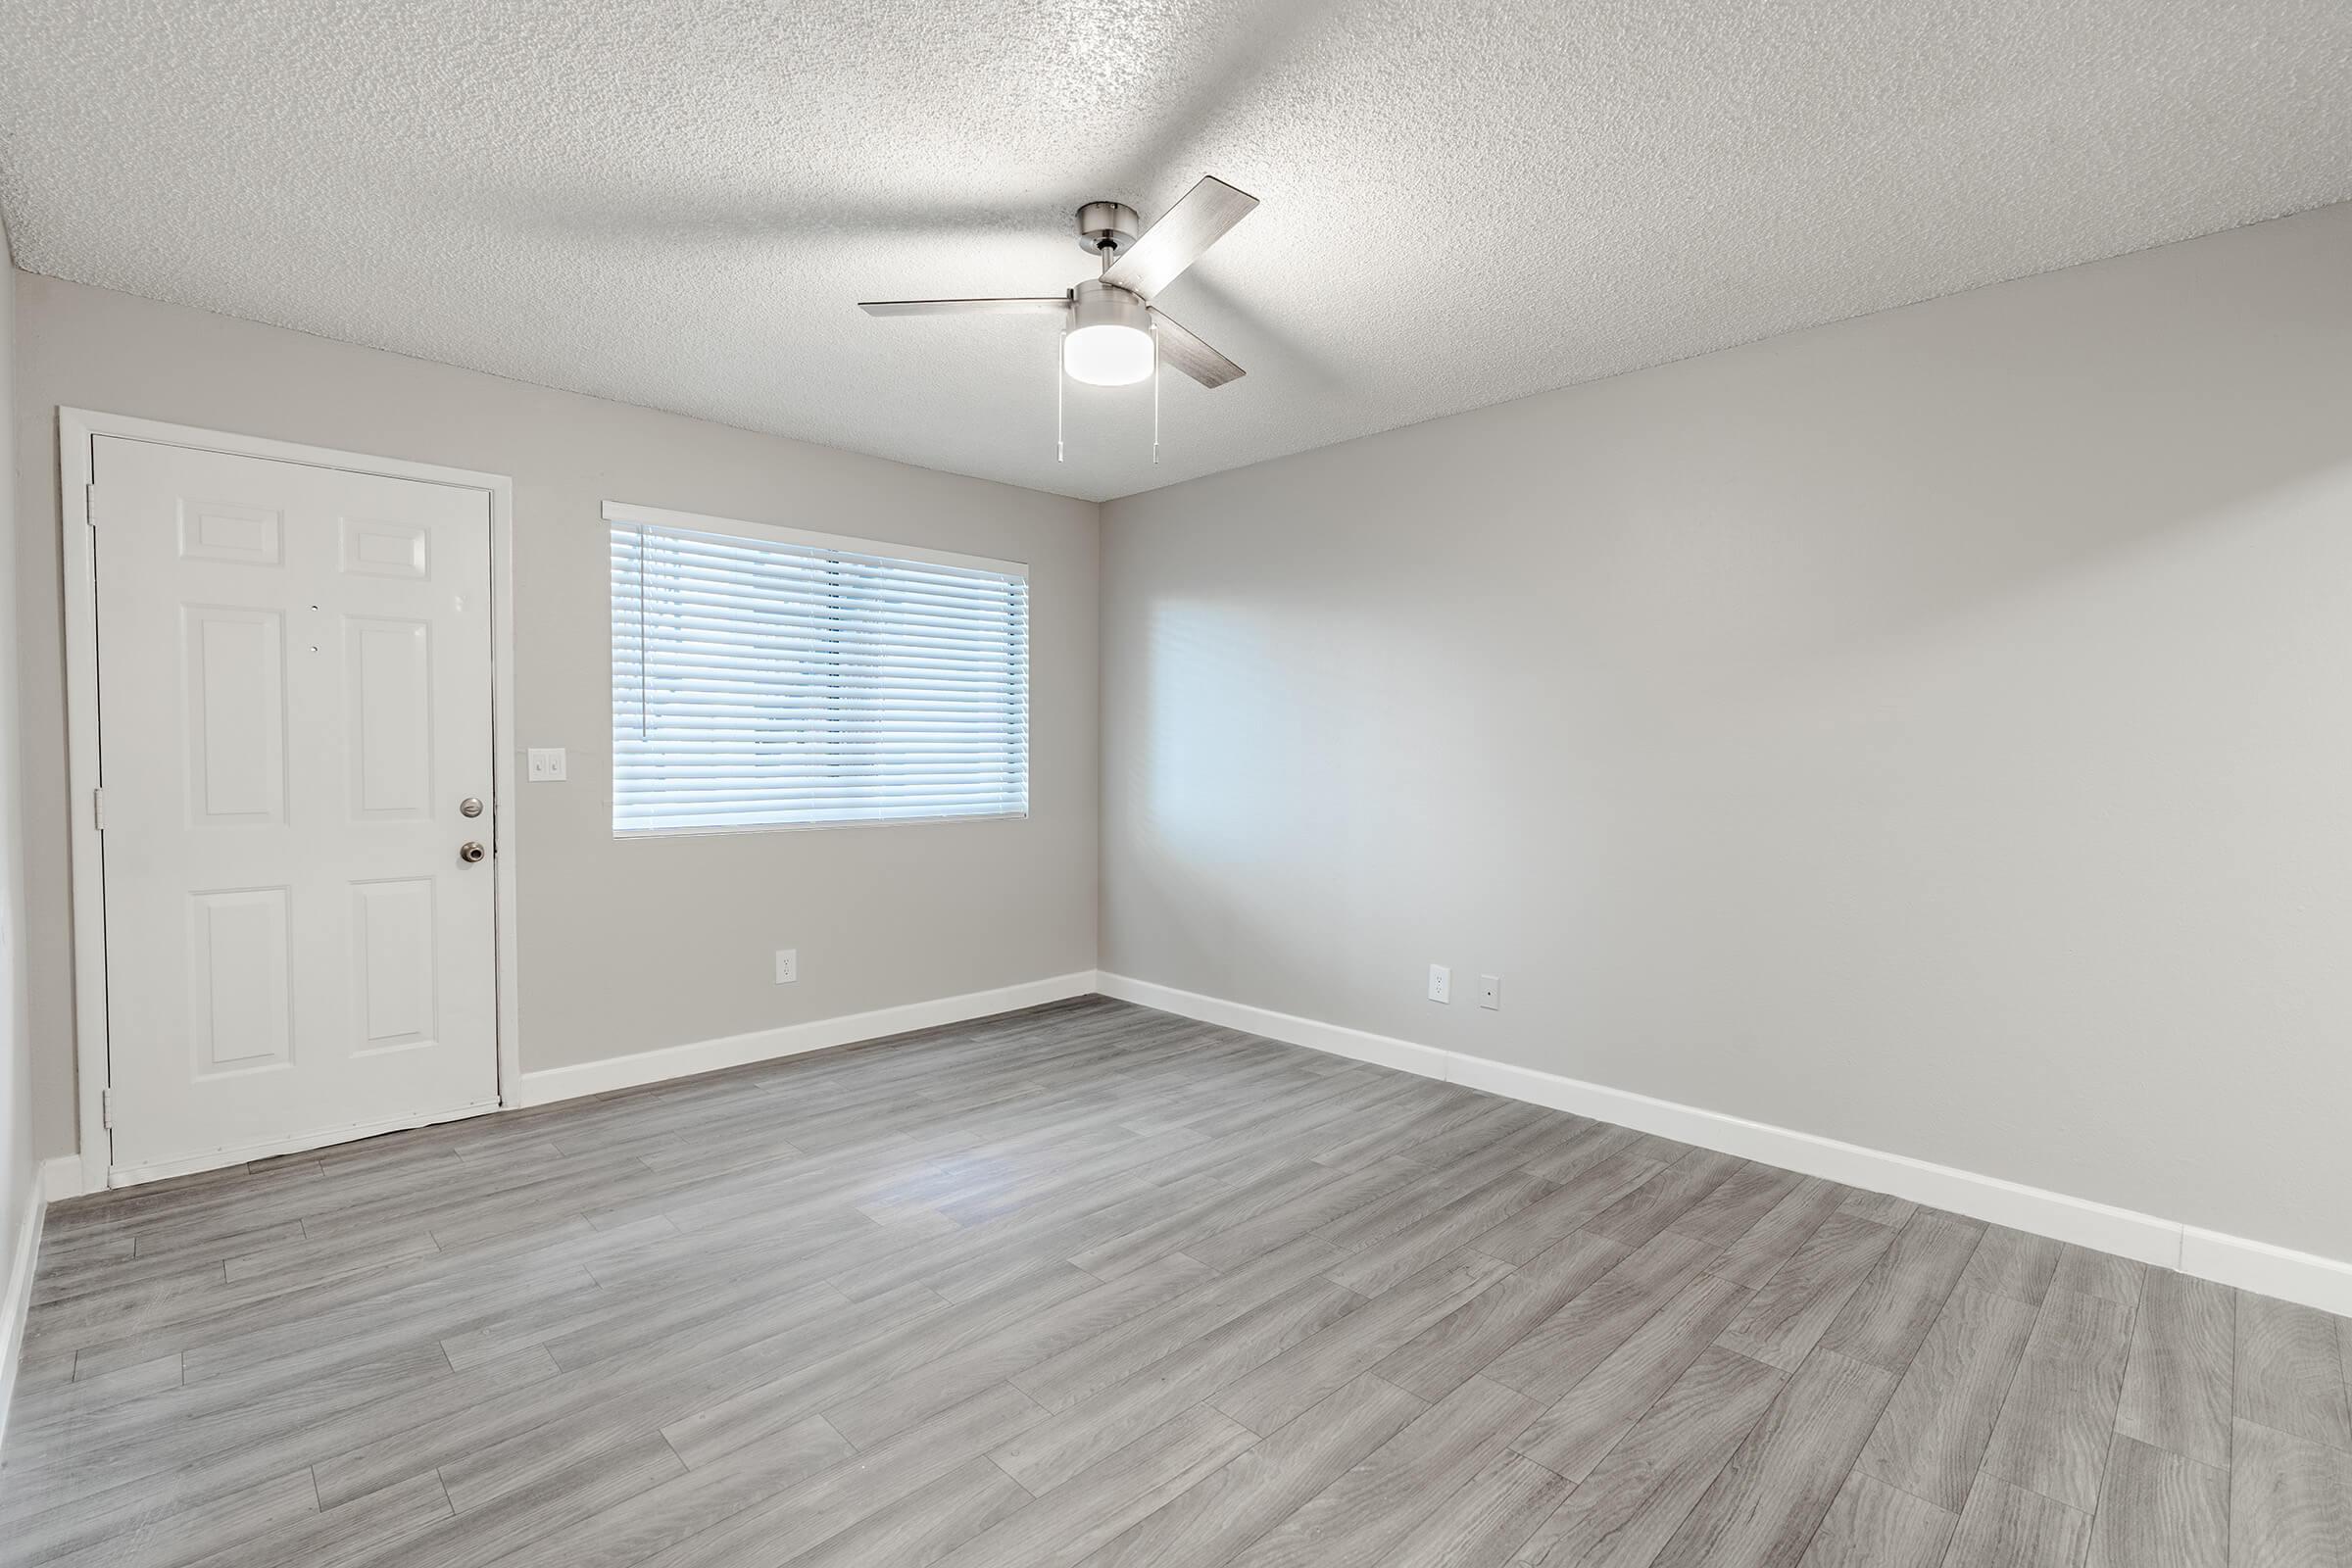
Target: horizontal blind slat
(760, 683)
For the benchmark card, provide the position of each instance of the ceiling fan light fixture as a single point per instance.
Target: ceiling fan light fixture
(1109, 342)
(1107, 355)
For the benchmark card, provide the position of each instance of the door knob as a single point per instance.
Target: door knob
(471, 851)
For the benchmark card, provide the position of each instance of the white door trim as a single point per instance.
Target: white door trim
(76, 431)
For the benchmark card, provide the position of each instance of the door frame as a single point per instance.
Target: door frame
(78, 432)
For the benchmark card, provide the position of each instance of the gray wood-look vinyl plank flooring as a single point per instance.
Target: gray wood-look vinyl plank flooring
(1576, 1434)
(2283, 1361)
(1362, 1514)
(1872, 1525)
(2013, 1263)
(1624, 1514)
(1556, 1354)
(1101, 1288)
(1759, 1250)
(593, 1488)
(2290, 1501)
(1886, 1209)
(1887, 1316)
(1046, 1456)
(2159, 1510)
(651, 1519)
(1481, 1524)
(1788, 1317)
(1727, 1212)
(1566, 1209)
(1375, 1269)
(1271, 1395)
(1665, 1198)
(1267, 1483)
(925, 1526)
(1763, 1509)
(2179, 1384)
(2010, 1527)
(1931, 1440)
(1460, 1344)
(349, 1534)
(1070, 1522)
(2056, 1425)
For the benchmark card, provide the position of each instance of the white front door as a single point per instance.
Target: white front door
(294, 692)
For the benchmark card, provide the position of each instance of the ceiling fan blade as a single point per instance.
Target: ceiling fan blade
(1183, 232)
(1009, 307)
(1192, 357)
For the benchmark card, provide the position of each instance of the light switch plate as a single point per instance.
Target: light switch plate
(547, 763)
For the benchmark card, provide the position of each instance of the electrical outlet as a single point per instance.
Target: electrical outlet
(547, 763)
(1441, 983)
(788, 966)
(1489, 991)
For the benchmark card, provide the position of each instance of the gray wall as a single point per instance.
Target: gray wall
(17, 1161)
(625, 946)
(1932, 731)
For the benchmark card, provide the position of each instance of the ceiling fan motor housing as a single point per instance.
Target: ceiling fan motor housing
(1097, 304)
(1106, 228)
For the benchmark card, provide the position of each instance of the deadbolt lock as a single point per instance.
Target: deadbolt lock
(471, 806)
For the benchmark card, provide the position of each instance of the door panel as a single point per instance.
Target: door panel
(392, 929)
(391, 728)
(294, 697)
(235, 664)
(240, 1012)
(214, 530)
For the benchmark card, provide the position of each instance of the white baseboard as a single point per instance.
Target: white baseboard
(17, 1303)
(1380, 1050)
(551, 1084)
(2257, 1266)
(2268, 1271)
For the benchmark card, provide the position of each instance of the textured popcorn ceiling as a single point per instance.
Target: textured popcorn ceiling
(679, 204)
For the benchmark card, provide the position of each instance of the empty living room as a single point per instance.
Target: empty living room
(1176, 784)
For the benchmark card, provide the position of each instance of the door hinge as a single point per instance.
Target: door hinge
(98, 807)
(106, 1109)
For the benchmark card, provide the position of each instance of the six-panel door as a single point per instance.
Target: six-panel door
(294, 703)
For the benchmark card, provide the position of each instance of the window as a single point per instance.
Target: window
(763, 678)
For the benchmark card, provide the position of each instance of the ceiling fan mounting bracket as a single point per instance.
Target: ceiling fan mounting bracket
(1106, 228)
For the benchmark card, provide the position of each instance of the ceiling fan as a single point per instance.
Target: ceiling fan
(1109, 325)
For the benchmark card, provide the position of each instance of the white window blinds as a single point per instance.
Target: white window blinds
(764, 678)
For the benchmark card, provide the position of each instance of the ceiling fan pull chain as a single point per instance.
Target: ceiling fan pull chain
(1060, 453)
(1155, 394)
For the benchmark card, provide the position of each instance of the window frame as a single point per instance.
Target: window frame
(631, 513)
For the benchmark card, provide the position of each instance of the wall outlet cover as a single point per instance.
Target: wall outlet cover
(788, 966)
(1441, 983)
(1489, 991)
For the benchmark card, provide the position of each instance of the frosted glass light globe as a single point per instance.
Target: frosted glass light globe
(1106, 355)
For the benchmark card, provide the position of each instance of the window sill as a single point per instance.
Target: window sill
(625, 834)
